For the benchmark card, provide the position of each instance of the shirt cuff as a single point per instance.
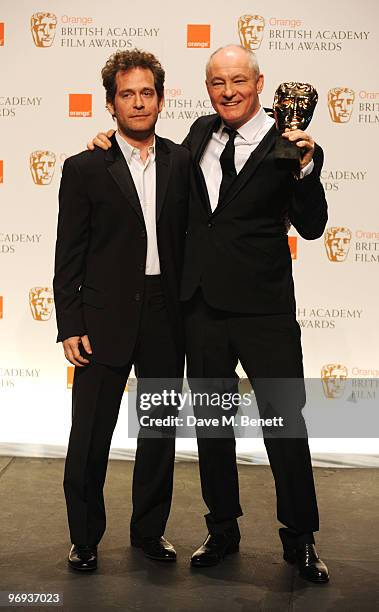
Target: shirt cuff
(307, 169)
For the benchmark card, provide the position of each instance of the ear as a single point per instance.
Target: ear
(160, 104)
(111, 109)
(260, 83)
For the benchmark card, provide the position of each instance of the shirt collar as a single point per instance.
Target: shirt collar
(129, 151)
(250, 129)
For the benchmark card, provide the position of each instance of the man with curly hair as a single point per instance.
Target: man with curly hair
(119, 253)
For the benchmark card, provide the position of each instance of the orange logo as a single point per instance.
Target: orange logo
(41, 303)
(80, 105)
(337, 243)
(43, 26)
(198, 36)
(2, 34)
(333, 377)
(250, 30)
(70, 376)
(292, 243)
(42, 166)
(340, 104)
(1, 306)
(1, 171)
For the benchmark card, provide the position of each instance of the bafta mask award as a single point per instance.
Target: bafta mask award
(294, 104)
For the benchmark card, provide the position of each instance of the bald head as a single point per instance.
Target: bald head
(234, 83)
(232, 54)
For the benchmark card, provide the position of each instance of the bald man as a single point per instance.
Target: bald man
(238, 294)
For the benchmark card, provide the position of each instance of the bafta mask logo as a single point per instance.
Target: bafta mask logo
(41, 303)
(340, 104)
(250, 30)
(333, 377)
(337, 243)
(42, 166)
(43, 26)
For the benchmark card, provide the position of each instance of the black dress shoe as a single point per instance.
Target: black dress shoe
(214, 549)
(311, 567)
(83, 558)
(157, 548)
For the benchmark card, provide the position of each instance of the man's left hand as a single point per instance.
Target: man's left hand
(101, 140)
(303, 141)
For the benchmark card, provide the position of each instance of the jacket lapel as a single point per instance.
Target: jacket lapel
(205, 136)
(250, 167)
(162, 167)
(118, 169)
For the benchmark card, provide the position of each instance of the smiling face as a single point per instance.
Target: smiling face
(136, 105)
(233, 86)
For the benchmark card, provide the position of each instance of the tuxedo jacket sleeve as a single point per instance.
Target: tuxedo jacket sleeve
(73, 235)
(308, 209)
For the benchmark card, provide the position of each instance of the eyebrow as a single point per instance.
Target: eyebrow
(235, 76)
(121, 91)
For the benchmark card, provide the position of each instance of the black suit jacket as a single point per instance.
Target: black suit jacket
(101, 247)
(239, 254)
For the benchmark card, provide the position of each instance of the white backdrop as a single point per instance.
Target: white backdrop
(50, 58)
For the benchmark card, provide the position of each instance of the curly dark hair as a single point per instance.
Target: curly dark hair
(125, 60)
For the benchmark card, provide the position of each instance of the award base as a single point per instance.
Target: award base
(288, 154)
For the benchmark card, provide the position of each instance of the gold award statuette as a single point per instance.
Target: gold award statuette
(294, 104)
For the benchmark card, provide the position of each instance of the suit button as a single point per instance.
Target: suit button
(137, 297)
(143, 234)
(141, 266)
(210, 224)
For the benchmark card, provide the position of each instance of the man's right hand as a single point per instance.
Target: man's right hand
(71, 350)
(101, 140)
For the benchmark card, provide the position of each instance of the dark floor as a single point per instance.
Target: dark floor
(34, 544)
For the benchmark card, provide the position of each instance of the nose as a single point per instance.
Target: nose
(340, 244)
(294, 106)
(229, 90)
(138, 101)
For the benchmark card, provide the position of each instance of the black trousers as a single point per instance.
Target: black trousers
(269, 348)
(97, 393)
